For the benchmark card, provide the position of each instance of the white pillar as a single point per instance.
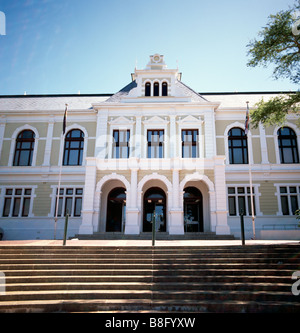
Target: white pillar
(172, 139)
(101, 134)
(88, 197)
(209, 130)
(132, 212)
(48, 146)
(138, 138)
(222, 227)
(263, 145)
(176, 210)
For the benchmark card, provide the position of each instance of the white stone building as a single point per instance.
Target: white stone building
(155, 146)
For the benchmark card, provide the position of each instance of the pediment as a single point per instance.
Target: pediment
(120, 120)
(155, 119)
(190, 119)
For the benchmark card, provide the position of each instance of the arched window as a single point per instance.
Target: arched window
(24, 148)
(73, 150)
(287, 143)
(238, 148)
(165, 89)
(156, 89)
(148, 89)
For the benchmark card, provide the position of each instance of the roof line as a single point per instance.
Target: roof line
(110, 94)
(249, 93)
(55, 95)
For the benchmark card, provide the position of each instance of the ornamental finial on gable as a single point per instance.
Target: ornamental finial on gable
(156, 62)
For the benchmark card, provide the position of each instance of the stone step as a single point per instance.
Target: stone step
(202, 279)
(275, 280)
(143, 263)
(135, 305)
(259, 249)
(167, 269)
(168, 273)
(158, 236)
(244, 295)
(153, 286)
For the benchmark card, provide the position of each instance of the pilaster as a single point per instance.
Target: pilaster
(88, 197)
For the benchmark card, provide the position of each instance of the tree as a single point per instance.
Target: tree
(279, 45)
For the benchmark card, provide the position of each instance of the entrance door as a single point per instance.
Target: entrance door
(154, 202)
(116, 205)
(193, 210)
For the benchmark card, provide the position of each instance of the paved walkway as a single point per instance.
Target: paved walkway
(76, 242)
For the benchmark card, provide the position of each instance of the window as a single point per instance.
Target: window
(73, 148)
(289, 199)
(24, 148)
(70, 201)
(164, 89)
(287, 143)
(121, 143)
(190, 143)
(17, 202)
(156, 89)
(237, 144)
(148, 89)
(155, 143)
(239, 199)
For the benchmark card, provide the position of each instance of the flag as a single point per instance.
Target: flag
(247, 120)
(65, 120)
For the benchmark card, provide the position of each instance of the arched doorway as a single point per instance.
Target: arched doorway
(116, 210)
(154, 201)
(193, 210)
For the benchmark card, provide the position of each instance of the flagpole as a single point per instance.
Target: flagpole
(250, 173)
(60, 170)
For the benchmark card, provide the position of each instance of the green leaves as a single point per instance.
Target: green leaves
(279, 46)
(275, 110)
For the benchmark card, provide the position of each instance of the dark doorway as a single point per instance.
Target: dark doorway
(193, 210)
(116, 205)
(154, 201)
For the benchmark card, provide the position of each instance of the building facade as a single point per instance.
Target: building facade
(156, 146)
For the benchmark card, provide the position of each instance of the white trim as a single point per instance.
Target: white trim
(64, 187)
(13, 143)
(288, 194)
(120, 123)
(275, 136)
(154, 123)
(256, 196)
(62, 143)
(249, 142)
(23, 187)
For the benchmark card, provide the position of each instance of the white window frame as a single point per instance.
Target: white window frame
(288, 194)
(256, 195)
(155, 123)
(13, 145)
(64, 196)
(14, 188)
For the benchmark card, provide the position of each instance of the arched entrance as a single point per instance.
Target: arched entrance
(154, 201)
(193, 210)
(116, 210)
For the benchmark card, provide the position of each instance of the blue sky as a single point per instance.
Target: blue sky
(92, 46)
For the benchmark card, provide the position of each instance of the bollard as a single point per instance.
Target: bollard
(153, 228)
(66, 229)
(242, 227)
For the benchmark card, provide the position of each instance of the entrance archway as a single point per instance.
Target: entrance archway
(116, 210)
(193, 210)
(154, 202)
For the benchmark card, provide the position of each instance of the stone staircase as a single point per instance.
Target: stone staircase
(158, 236)
(154, 279)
